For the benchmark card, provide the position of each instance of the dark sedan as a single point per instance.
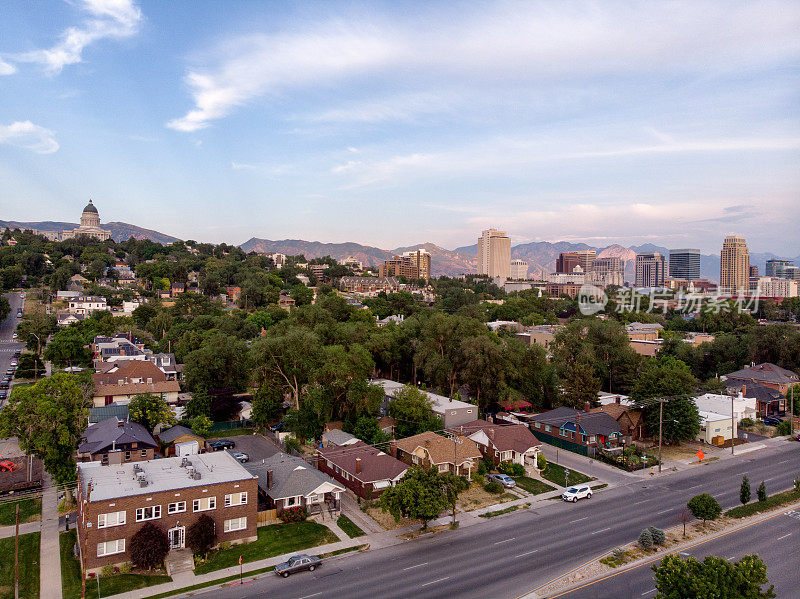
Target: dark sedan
(298, 563)
(221, 444)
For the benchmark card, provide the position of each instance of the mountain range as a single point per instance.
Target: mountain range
(119, 231)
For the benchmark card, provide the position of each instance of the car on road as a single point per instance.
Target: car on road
(298, 563)
(503, 479)
(3, 395)
(14, 362)
(241, 456)
(10, 372)
(4, 384)
(772, 420)
(221, 444)
(19, 314)
(7, 466)
(14, 336)
(577, 492)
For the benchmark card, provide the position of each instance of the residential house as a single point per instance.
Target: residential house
(369, 285)
(604, 398)
(87, 304)
(581, 432)
(716, 428)
(64, 319)
(286, 481)
(285, 301)
(122, 346)
(766, 374)
(430, 450)
(387, 424)
(543, 335)
(115, 441)
(363, 469)
(631, 422)
(738, 406)
(76, 283)
(769, 401)
(645, 347)
(452, 411)
(641, 331)
(337, 438)
(167, 364)
(114, 503)
(178, 434)
(502, 442)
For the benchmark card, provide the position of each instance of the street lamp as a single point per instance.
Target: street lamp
(36, 357)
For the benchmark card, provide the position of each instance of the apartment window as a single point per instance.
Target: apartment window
(415, 459)
(110, 519)
(235, 499)
(110, 547)
(235, 524)
(152, 512)
(204, 504)
(127, 456)
(177, 507)
(143, 453)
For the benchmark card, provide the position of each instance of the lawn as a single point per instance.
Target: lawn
(508, 510)
(770, 502)
(347, 525)
(555, 474)
(28, 566)
(532, 485)
(273, 540)
(119, 583)
(29, 511)
(476, 497)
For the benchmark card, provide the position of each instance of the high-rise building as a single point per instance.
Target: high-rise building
(494, 254)
(790, 272)
(650, 269)
(607, 271)
(684, 264)
(566, 262)
(519, 270)
(734, 265)
(774, 265)
(422, 260)
(585, 259)
(753, 272)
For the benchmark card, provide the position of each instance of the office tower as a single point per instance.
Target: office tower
(774, 265)
(650, 270)
(566, 262)
(585, 259)
(684, 264)
(753, 272)
(519, 270)
(734, 265)
(422, 260)
(607, 271)
(494, 254)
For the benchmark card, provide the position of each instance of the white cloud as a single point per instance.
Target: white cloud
(114, 19)
(524, 43)
(7, 69)
(239, 166)
(25, 134)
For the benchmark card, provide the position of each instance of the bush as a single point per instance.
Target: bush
(762, 492)
(511, 469)
(201, 535)
(149, 546)
(744, 491)
(125, 568)
(541, 461)
(293, 514)
(784, 428)
(704, 507)
(292, 444)
(106, 571)
(201, 425)
(646, 539)
(493, 487)
(746, 422)
(659, 536)
(485, 466)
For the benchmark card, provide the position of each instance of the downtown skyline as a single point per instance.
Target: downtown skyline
(672, 124)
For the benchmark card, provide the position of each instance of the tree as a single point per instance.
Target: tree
(201, 425)
(762, 492)
(368, 430)
(704, 507)
(67, 347)
(681, 420)
(30, 366)
(267, 405)
(150, 410)
(452, 485)
(646, 539)
(664, 377)
(713, 577)
(412, 410)
(201, 536)
(220, 362)
(541, 462)
(149, 546)
(5, 307)
(744, 491)
(199, 404)
(48, 418)
(418, 495)
(659, 536)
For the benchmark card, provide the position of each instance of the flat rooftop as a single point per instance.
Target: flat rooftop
(122, 480)
(440, 402)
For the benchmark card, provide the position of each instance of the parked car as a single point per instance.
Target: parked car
(503, 479)
(772, 420)
(578, 492)
(221, 444)
(7, 466)
(241, 456)
(276, 427)
(14, 362)
(3, 395)
(10, 372)
(298, 563)
(18, 353)
(4, 384)
(14, 336)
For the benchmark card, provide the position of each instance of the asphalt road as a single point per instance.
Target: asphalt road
(774, 540)
(7, 328)
(515, 554)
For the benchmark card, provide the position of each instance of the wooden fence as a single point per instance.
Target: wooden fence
(267, 517)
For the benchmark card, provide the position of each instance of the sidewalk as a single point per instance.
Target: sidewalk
(50, 555)
(28, 527)
(351, 509)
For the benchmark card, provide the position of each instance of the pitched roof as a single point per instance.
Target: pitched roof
(131, 371)
(617, 411)
(112, 410)
(114, 431)
(173, 432)
(440, 449)
(592, 423)
(754, 390)
(137, 388)
(505, 437)
(291, 476)
(375, 464)
(766, 373)
(338, 437)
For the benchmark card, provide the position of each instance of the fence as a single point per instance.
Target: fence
(267, 517)
(563, 443)
(231, 425)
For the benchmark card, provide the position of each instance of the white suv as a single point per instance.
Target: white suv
(575, 493)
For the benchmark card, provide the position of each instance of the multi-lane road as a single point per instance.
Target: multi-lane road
(515, 554)
(7, 327)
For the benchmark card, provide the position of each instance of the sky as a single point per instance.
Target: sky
(396, 123)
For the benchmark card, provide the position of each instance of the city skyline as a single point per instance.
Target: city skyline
(672, 124)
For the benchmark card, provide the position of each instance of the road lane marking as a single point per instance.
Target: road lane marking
(313, 595)
(648, 592)
(417, 566)
(663, 512)
(642, 501)
(784, 536)
(435, 581)
(529, 552)
(579, 520)
(783, 462)
(601, 530)
(506, 541)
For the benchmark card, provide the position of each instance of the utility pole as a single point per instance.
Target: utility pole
(16, 554)
(733, 425)
(660, 429)
(36, 358)
(456, 443)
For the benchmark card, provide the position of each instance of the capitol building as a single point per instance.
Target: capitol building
(90, 226)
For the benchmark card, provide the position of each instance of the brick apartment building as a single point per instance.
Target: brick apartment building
(114, 502)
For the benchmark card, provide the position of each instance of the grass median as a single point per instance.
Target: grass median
(349, 527)
(769, 503)
(532, 485)
(555, 474)
(28, 566)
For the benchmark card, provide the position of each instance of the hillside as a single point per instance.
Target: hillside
(119, 231)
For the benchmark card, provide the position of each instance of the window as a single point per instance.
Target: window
(104, 460)
(290, 501)
(547, 428)
(442, 467)
(148, 513)
(177, 507)
(204, 504)
(127, 456)
(236, 499)
(110, 519)
(591, 439)
(144, 453)
(110, 547)
(235, 524)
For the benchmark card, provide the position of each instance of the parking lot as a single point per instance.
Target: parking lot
(256, 446)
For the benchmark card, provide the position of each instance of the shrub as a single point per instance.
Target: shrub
(744, 491)
(659, 536)
(784, 428)
(201, 535)
(762, 492)
(704, 507)
(225, 545)
(292, 444)
(125, 568)
(746, 422)
(646, 539)
(485, 466)
(293, 514)
(511, 469)
(149, 546)
(106, 571)
(493, 487)
(541, 461)
(797, 484)
(201, 425)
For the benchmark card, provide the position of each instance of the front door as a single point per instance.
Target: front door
(177, 537)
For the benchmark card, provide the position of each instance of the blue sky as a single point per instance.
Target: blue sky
(398, 123)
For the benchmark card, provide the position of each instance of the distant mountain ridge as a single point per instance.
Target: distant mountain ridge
(119, 231)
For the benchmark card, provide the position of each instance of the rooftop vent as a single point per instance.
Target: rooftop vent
(196, 475)
(142, 482)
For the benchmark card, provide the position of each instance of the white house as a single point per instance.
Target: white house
(86, 304)
(743, 407)
(713, 424)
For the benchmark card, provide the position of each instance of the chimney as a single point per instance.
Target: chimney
(744, 390)
(120, 423)
(491, 433)
(618, 400)
(358, 465)
(587, 407)
(269, 478)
